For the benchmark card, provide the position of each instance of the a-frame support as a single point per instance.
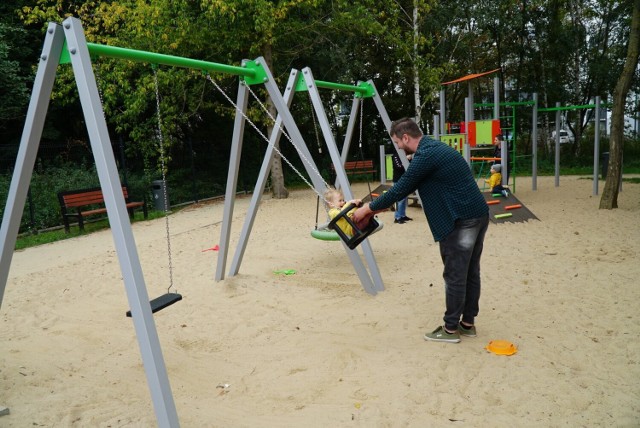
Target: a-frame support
(79, 52)
(145, 328)
(370, 278)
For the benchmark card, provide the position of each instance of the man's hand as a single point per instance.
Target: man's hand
(362, 213)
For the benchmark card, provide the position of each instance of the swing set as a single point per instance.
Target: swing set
(368, 274)
(67, 43)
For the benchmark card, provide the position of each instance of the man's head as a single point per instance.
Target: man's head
(406, 134)
(498, 139)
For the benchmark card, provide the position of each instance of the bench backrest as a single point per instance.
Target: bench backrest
(79, 198)
(361, 164)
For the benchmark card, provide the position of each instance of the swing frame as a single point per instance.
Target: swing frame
(368, 273)
(67, 43)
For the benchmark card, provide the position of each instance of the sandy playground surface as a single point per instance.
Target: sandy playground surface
(314, 349)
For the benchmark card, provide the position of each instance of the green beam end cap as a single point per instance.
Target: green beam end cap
(301, 84)
(259, 73)
(65, 58)
(367, 92)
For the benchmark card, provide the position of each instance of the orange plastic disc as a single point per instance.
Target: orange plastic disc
(501, 347)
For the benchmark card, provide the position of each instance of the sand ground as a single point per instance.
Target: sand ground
(314, 349)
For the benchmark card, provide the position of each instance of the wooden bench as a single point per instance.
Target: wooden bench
(87, 202)
(358, 167)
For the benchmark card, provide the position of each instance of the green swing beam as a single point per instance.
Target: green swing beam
(362, 90)
(252, 72)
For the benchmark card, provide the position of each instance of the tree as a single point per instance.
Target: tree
(609, 199)
(13, 89)
(260, 26)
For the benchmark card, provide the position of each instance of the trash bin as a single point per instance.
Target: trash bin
(605, 164)
(160, 195)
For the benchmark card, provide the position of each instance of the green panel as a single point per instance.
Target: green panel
(454, 140)
(484, 130)
(388, 166)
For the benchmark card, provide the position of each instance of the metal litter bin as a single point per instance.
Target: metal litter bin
(160, 195)
(605, 165)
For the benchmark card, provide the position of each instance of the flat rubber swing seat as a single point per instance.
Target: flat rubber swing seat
(162, 302)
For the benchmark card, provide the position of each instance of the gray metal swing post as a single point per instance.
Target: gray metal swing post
(234, 163)
(371, 279)
(262, 179)
(34, 123)
(79, 54)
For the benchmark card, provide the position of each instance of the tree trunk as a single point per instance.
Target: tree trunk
(278, 189)
(609, 198)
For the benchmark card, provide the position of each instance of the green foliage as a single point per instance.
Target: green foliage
(567, 52)
(13, 90)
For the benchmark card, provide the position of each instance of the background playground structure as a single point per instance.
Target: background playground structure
(473, 133)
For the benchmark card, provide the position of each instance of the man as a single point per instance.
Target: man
(458, 217)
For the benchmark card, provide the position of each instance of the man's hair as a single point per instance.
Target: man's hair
(405, 126)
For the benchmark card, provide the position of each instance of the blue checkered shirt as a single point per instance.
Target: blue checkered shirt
(446, 186)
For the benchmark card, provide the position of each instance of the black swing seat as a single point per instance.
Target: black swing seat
(359, 235)
(162, 302)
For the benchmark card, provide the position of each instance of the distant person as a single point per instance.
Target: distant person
(497, 153)
(458, 217)
(400, 216)
(495, 181)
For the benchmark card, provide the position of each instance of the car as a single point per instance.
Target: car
(565, 136)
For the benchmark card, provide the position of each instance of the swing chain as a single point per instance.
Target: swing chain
(315, 124)
(302, 156)
(160, 138)
(361, 113)
(264, 137)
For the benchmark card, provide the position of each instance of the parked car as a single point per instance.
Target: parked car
(565, 136)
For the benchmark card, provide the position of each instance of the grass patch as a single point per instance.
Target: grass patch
(45, 237)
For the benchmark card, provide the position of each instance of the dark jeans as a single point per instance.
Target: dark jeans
(460, 252)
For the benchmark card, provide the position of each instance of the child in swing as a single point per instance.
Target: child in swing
(495, 181)
(335, 202)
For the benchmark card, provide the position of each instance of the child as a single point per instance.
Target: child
(495, 181)
(335, 202)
